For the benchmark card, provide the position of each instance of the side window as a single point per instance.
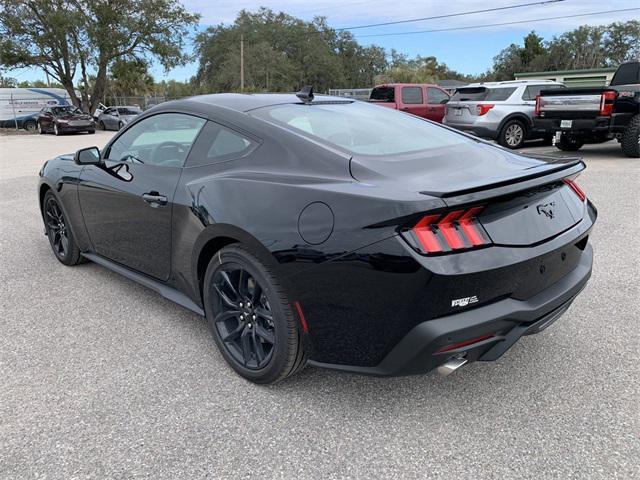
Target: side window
(218, 144)
(163, 140)
(436, 95)
(412, 95)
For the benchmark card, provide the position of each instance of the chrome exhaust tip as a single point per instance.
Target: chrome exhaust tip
(451, 366)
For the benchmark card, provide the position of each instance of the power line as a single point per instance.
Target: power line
(486, 25)
(410, 20)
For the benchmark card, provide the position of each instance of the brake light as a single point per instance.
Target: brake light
(574, 186)
(606, 103)
(483, 108)
(452, 231)
(536, 111)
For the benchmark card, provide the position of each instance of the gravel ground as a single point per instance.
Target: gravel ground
(102, 378)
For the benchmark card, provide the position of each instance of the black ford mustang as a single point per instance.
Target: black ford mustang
(326, 231)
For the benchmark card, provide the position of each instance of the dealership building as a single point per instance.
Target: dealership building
(588, 77)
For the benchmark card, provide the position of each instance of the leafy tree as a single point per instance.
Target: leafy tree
(69, 37)
(282, 53)
(583, 47)
(418, 70)
(130, 78)
(7, 82)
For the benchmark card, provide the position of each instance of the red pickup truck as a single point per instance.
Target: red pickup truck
(421, 99)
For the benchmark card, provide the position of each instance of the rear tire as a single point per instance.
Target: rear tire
(60, 236)
(90, 132)
(569, 143)
(513, 134)
(120, 125)
(40, 129)
(30, 126)
(101, 125)
(631, 138)
(260, 340)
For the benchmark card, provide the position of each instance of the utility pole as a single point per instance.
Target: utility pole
(242, 62)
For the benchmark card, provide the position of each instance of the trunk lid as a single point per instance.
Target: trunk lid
(525, 202)
(461, 112)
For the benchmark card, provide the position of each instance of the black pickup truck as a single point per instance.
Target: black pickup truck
(575, 116)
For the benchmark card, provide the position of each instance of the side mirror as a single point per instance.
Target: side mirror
(87, 156)
(445, 100)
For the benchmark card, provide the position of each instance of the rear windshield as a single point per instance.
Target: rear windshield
(481, 94)
(129, 111)
(362, 128)
(627, 74)
(383, 94)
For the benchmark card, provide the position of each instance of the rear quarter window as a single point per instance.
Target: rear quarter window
(217, 144)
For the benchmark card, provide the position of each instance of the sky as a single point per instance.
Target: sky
(468, 51)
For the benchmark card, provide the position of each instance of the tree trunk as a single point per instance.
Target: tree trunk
(67, 83)
(99, 88)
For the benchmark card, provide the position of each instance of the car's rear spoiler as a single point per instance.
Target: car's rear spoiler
(554, 172)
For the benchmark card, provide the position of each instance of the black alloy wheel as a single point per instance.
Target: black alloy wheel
(243, 317)
(57, 228)
(60, 236)
(251, 317)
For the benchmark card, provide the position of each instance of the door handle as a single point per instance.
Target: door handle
(405, 108)
(154, 198)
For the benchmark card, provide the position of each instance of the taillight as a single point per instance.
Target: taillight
(483, 108)
(606, 103)
(451, 231)
(536, 111)
(574, 186)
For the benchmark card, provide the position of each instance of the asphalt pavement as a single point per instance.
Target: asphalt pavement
(102, 378)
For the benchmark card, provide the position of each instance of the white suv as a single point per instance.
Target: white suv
(501, 111)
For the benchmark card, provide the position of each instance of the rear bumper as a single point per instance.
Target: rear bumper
(601, 125)
(507, 319)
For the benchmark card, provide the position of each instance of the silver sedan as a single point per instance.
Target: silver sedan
(114, 118)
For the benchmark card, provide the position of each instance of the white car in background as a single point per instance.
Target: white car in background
(501, 111)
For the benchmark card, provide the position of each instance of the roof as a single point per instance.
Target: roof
(243, 102)
(452, 83)
(406, 85)
(566, 72)
(515, 83)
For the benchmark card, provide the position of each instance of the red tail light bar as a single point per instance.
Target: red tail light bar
(450, 231)
(574, 186)
(606, 103)
(536, 111)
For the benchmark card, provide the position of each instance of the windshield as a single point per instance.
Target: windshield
(129, 111)
(362, 128)
(481, 94)
(69, 110)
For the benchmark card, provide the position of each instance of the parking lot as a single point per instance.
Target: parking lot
(102, 378)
